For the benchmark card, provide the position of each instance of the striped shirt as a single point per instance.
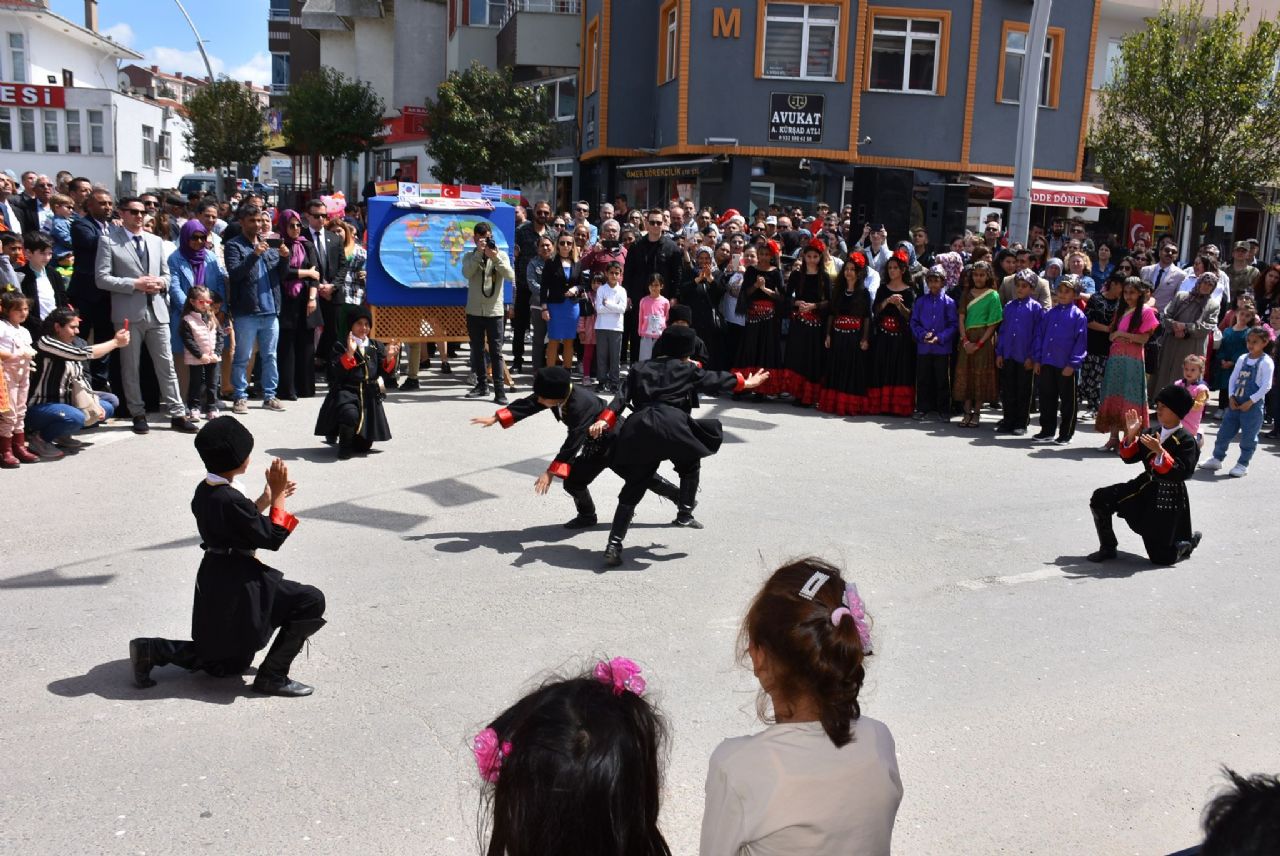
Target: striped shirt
(59, 368)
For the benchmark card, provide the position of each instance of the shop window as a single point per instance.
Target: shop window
(909, 51)
(1014, 39)
(668, 41)
(592, 67)
(800, 41)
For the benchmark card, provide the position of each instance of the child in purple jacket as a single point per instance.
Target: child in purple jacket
(934, 323)
(1015, 353)
(1060, 351)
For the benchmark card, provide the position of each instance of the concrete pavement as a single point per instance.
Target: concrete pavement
(1040, 704)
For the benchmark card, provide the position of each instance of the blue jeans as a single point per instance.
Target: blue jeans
(54, 421)
(265, 330)
(1245, 422)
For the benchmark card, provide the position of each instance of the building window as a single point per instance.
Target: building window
(27, 129)
(909, 52)
(1115, 58)
(801, 40)
(148, 146)
(18, 57)
(485, 13)
(166, 150)
(1014, 38)
(50, 130)
(74, 145)
(560, 98)
(279, 10)
(6, 130)
(668, 41)
(279, 73)
(97, 132)
(592, 64)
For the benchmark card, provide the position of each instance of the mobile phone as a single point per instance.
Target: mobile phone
(274, 243)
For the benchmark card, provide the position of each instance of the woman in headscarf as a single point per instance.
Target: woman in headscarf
(1187, 322)
(701, 291)
(915, 270)
(359, 370)
(299, 315)
(190, 265)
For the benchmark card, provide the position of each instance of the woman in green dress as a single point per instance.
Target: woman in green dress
(980, 315)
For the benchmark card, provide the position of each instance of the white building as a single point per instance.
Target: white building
(60, 106)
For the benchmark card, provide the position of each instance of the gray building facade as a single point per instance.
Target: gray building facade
(747, 102)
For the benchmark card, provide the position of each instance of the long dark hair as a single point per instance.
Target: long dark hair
(1135, 320)
(584, 774)
(808, 655)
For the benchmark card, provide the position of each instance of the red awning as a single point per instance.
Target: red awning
(1057, 193)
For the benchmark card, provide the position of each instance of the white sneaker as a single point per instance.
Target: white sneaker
(1239, 471)
(1211, 465)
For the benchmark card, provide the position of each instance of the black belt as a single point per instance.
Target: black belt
(231, 551)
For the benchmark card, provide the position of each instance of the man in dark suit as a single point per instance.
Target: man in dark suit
(93, 304)
(330, 254)
(40, 283)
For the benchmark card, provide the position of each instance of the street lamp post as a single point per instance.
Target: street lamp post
(199, 41)
(1028, 113)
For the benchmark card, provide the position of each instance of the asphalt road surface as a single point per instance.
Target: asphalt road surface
(1041, 704)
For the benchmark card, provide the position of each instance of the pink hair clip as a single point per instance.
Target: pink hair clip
(489, 752)
(622, 674)
(854, 608)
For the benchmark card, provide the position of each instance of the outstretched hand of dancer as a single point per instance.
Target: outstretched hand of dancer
(542, 485)
(757, 378)
(1132, 423)
(597, 428)
(484, 421)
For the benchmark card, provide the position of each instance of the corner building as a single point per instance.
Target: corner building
(890, 109)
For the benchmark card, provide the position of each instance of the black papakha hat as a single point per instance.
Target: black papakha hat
(223, 444)
(677, 342)
(682, 312)
(551, 382)
(1177, 399)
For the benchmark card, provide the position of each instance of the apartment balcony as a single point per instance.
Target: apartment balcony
(541, 33)
(337, 14)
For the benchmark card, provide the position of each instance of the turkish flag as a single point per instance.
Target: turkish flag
(451, 191)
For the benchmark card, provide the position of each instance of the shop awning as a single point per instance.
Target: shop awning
(665, 169)
(1057, 193)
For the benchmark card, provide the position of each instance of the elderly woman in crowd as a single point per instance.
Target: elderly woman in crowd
(1187, 322)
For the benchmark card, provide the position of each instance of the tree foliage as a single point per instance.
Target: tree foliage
(226, 125)
(331, 115)
(485, 129)
(1192, 114)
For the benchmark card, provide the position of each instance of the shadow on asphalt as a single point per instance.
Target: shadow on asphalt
(1122, 567)
(114, 680)
(545, 544)
(53, 578)
(317, 454)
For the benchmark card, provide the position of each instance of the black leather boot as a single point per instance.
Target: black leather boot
(346, 442)
(586, 511)
(621, 523)
(663, 488)
(687, 502)
(1106, 537)
(1186, 548)
(273, 673)
(145, 654)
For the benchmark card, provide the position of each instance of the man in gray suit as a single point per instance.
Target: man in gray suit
(132, 266)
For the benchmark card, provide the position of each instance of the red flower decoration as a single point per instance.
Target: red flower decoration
(858, 259)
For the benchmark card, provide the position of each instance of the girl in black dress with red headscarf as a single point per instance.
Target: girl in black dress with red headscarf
(762, 299)
(893, 367)
(809, 289)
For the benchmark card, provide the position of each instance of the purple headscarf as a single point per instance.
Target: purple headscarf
(297, 250)
(195, 257)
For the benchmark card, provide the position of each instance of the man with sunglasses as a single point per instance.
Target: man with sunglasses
(581, 213)
(655, 252)
(131, 264)
(1164, 276)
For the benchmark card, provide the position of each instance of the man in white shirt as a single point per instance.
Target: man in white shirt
(1164, 276)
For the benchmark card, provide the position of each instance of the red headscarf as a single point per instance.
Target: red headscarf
(774, 249)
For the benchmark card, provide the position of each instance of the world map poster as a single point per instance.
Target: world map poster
(425, 249)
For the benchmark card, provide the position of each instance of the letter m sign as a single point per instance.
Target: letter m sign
(726, 24)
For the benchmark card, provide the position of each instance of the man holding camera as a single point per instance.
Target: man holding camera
(253, 274)
(486, 269)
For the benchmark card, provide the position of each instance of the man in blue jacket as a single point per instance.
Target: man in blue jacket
(253, 295)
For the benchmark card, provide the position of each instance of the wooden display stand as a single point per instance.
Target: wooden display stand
(418, 324)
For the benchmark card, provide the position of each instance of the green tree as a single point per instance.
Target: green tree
(225, 126)
(485, 129)
(333, 116)
(1192, 114)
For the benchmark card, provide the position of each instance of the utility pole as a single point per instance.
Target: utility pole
(1028, 112)
(199, 41)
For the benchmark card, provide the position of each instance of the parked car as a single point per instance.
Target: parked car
(198, 182)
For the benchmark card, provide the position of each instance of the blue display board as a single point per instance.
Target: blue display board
(415, 255)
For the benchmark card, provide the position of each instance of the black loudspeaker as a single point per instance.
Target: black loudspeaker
(946, 213)
(883, 196)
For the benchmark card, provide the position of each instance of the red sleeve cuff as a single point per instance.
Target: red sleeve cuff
(559, 469)
(742, 382)
(389, 365)
(609, 416)
(348, 362)
(280, 517)
(1128, 449)
(505, 419)
(1162, 463)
